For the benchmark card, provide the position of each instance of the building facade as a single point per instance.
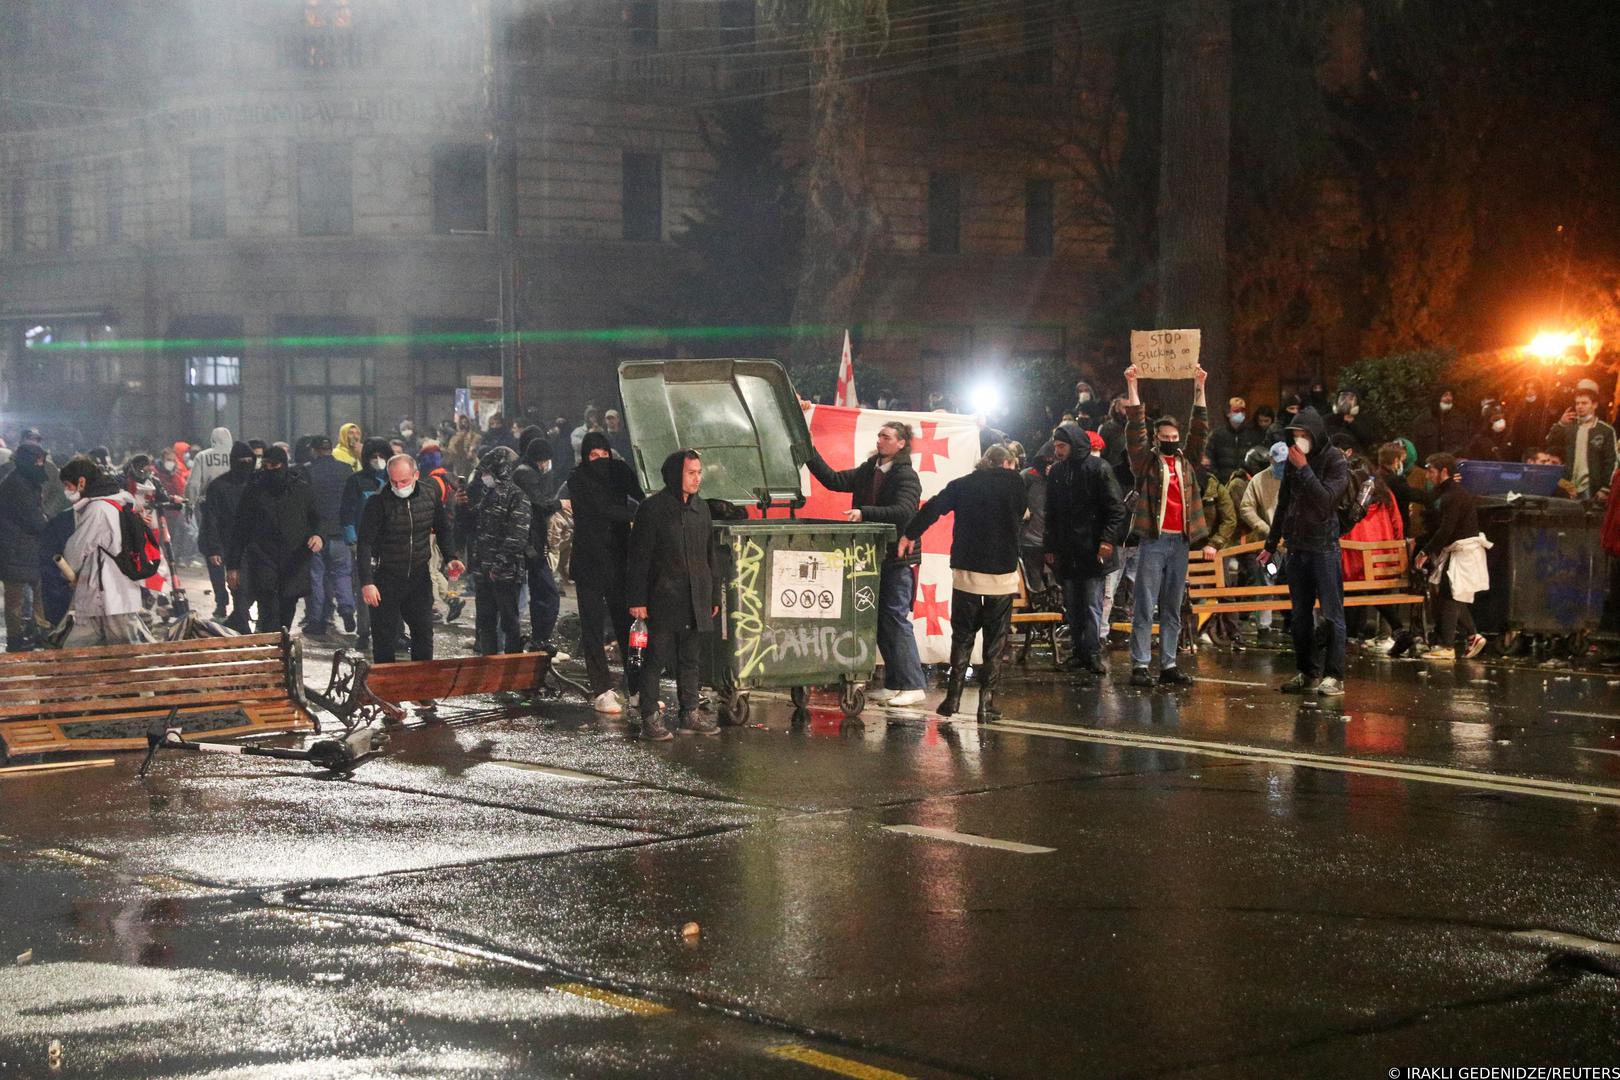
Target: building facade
(280, 217)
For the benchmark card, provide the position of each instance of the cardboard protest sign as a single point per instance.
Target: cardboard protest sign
(1165, 354)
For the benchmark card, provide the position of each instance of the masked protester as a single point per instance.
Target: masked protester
(106, 604)
(331, 571)
(350, 448)
(1085, 525)
(672, 582)
(220, 504)
(989, 505)
(1235, 436)
(22, 520)
(357, 491)
(498, 524)
(408, 437)
(602, 496)
(1492, 440)
(394, 543)
(533, 475)
(1315, 479)
(1445, 429)
(277, 530)
(1168, 522)
(430, 463)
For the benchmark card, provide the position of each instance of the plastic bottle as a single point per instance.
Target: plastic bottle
(638, 652)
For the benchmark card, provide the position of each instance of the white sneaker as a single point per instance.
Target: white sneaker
(905, 698)
(560, 658)
(607, 703)
(1383, 645)
(880, 697)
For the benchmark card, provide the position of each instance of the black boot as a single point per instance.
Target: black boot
(953, 690)
(997, 623)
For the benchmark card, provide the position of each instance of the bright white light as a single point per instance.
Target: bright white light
(1549, 345)
(984, 399)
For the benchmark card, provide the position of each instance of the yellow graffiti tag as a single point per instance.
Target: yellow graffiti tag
(751, 647)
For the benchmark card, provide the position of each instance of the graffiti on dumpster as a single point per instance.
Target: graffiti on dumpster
(802, 585)
(1564, 574)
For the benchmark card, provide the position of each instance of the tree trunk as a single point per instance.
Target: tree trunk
(839, 222)
(1195, 154)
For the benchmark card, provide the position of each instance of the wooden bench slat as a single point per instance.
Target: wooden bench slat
(142, 705)
(112, 669)
(41, 693)
(190, 645)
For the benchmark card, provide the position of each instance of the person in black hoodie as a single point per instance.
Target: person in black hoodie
(602, 496)
(277, 529)
(22, 520)
(886, 490)
(358, 489)
(1085, 523)
(672, 582)
(1307, 520)
(989, 504)
(1492, 441)
(534, 476)
(499, 552)
(1444, 430)
(221, 499)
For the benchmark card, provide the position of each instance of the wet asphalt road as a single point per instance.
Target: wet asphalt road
(1187, 894)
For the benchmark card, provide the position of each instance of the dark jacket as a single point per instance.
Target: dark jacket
(1440, 433)
(1307, 514)
(362, 486)
(1456, 518)
(1600, 453)
(22, 519)
(897, 493)
(394, 534)
(989, 507)
(1227, 446)
(603, 493)
(327, 479)
(55, 592)
(221, 500)
(1084, 508)
(1113, 437)
(1405, 496)
(270, 543)
(500, 548)
(1488, 445)
(537, 486)
(1361, 428)
(672, 568)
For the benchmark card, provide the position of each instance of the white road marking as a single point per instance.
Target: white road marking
(1228, 682)
(1432, 774)
(1589, 715)
(552, 770)
(931, 833)
(1595, 750)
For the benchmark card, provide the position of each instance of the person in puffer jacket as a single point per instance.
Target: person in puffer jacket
(499, 553)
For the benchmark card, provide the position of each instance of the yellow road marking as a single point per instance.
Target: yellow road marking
(171, 884)
(608, 997)
(834, 1064)
(435, 953)
(71, 858)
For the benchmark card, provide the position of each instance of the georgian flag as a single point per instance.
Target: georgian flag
(943, 447)
(845, 394)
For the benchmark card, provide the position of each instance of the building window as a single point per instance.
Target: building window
(641, 16)
(210, 367)
(325, 36)
(460, 189)
(62, 193)
(944, 213)
(207, 192)
(325, 190)
(112, 200)
(66, 354)
(445, 353)
(327, 385)
(737, 22)
(643, 197)
(1038, 217)
(17, 211)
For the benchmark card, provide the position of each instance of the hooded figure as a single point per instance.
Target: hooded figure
(534, 476)
(209, 465)
(603, 494)
(1085, 525)
(221, 501)
(499, 552)
(370, 478)
(277, 529)
(22, 520)
(349, 442)
(672, 581)
(1314, 484)
(1445, 429)
(106, 603)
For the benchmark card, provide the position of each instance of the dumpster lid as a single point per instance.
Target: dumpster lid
(741, 415)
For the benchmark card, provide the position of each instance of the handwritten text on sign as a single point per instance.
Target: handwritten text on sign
(1165, 354)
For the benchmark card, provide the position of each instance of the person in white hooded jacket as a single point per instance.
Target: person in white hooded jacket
(209, 465)
(106, 603)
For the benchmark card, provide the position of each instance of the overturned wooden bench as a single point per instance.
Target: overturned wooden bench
(361, 692)
(101, 699)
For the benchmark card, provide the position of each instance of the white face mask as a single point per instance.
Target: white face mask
(378, 464)
(73, 496)
(407, 431)
(489, 481)
(1498, 425)
(1530, 398)
(405, 492)
(1085, 396)
(1302, 443)
(1445, 406)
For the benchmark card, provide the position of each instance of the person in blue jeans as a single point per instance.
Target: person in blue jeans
(1307, 523)
(331, 570)
(887, 489)
(1168, 522)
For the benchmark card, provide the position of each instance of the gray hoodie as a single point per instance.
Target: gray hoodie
(210, 464)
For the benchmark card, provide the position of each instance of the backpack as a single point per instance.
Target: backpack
(139, 556)
(1353, 505)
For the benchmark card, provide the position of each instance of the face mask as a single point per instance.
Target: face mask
(1530, 398)
(1498, 425)
(241, 466)
(73, 496)
(545, 467)
(1167, 448)
(407, 431)
(1445, 406)
(1085, 396)
(489, 481)
(405, 492)
(378, 464)
(1302, 443)
(1236, 418)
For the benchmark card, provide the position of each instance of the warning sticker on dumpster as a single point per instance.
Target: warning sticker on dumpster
(806, 585)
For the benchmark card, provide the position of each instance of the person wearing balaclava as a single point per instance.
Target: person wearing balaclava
(221, 501)
(1085, 526)
(277, 530)
(1315, 478)
(360, 487)
(533, 475)
(672, 581)
(22, 520)
(497, 552)
(1444, 429)
(602, 496)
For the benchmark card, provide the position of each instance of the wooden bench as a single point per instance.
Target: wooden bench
(362, 692)
(1033, 620)
(101, 699)
(1383, 580)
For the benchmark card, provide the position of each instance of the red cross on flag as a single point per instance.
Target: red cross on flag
(943, 447)
(846, 378)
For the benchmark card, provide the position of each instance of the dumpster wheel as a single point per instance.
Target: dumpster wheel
(801, 697)
(853, 699)
(736, 711)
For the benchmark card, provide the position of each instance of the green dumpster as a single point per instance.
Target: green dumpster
(801, 597)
